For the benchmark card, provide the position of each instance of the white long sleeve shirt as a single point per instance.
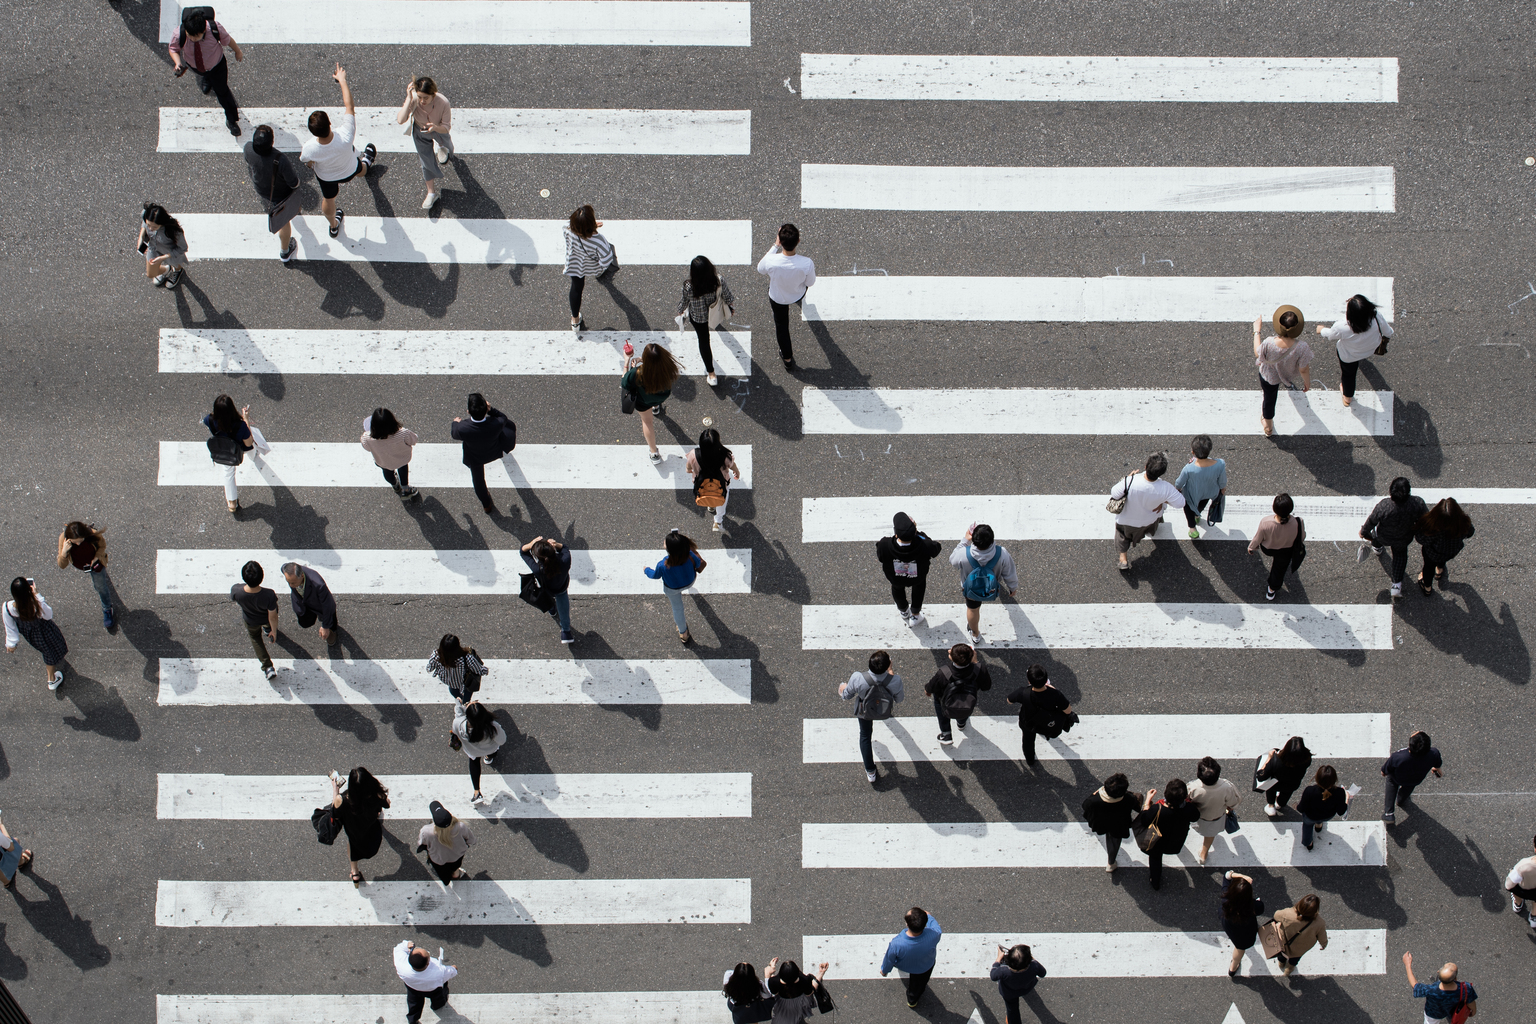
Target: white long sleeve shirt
(1522, 874)
(12, 634)
(788, 276)
(1354, 347)
(434, 977)
(1141, 504)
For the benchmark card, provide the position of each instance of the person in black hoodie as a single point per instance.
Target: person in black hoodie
(1393, 523)
(1043, 710)
(954, 688)
(1108, 811)
(905, 558)
(1173, 815)
(487, 435)
(1287, 766)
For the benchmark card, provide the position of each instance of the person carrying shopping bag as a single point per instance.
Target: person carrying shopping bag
(230, 435)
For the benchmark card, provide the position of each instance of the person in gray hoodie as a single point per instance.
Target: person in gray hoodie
(986, 570)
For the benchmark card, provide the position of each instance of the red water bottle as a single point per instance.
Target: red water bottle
(629, 349)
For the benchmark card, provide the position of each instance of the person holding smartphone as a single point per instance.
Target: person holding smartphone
(200, 45)
(164, 246)
(1016, 972)
(84, 547)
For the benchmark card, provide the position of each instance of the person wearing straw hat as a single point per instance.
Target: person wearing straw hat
(1281, 360)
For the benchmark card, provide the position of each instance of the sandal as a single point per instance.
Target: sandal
(686, 638)
(1269, 431)
(233, 506)
(1425, 585)
(357, 878)
(25, 863)
(1441, 575)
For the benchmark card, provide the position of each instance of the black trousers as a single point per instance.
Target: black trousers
(1112, 846)
(1155, 863)
(1271, 393)
(917, 984)
(578, 284)
(705, 353)
(899, 593)
(1399, 557)
(477, 474)
(943, 713)
(781, 328)
(403, 474)
(415, 1001)
(307, 618)
(1029, 745)
(1347, 372)
(1430, 565)
(867, 743)
(217, 78)
(1192, 515)
(445, 873)
(1282, 563)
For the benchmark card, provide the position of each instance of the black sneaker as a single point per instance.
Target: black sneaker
(945, 737)
(335, 229)
(174, 279)
(370, 154)
(293, 247)
(234, 129)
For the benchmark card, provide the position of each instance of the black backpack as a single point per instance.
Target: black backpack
(186, 16)
(877, 704)
(225, 451)
(959, 698)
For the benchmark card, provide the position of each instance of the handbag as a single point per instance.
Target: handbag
(1117, 505)
(719, 312)
(1260, 783)
(283, 212)
(626, 396)
(1299, 549)
(327, 828)
(1381, 349)
(1271, 937)
(1462, 1011)
(824, 1002)
(1150, 835)
(532, 591)
(1231, 824)
(753, 1013)
(1216, 509)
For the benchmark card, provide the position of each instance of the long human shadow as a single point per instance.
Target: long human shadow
(634, 316)
(773, 570)
(340, 717)
(440, 529)
(12, 967)
(271, 385)
(1474, 634)
(347, 293)
(554, 838)
(1414, 441)
(476, 204)
(292, 525)
(1331, 461)
(355, 667)
(53, 920)
(412, 284)
(100, 709)
(1459, 863)
(151, 636)
(1306, 999)
(593, 646)
(765, 688)
(142, 19)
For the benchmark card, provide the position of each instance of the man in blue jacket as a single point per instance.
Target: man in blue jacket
(914, 952)
(487, 435)
(312, 600)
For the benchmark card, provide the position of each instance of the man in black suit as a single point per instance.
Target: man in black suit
(312, 600)
(487, 435)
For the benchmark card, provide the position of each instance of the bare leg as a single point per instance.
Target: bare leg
(49, 669)
(648, 428)
(285, 236)
(1237, 961)
(1205, 848)
(328, 207)
(973, 620)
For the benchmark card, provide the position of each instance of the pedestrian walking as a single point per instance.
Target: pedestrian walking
(795, 991)
(445, 842)
(1216, 799)
(459, 667)
(1441, 536)
(1202, 481)
(1139, 502)
(1320, 802)
(790, 276)
(200, 44)
(986, 570)
(312, 600)
(954, 688)
(1393, 523)
(486, 436)
(1016, 972)
(1043, 710)
(1282, 360)
(1163, 826)
(1521, 883)
(230, 435)
(1361, 333)
(587, 254)
(12, 858)
(431, 117)
(1282, 768)
(27, 614)
(426, 978)
(1281, 536)
(391, 446)
(478, 736)
(276, 181)
(258, 610)
(550, 561)
(645, 387)
(331, 154)
(746, 995)
(1405, 769)
(707, 304)
(360, 809)
(1301, 927)
(713, 467)
(1449, 998)
(1109, 811)
(164, 245)
(904, 558)
(82, 545)
(677, 571)
(875, 695)
(914, 952)
(1240, 910)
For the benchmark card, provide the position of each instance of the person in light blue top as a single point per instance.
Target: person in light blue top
(914, 951)
(677, 572)
(1200, 481)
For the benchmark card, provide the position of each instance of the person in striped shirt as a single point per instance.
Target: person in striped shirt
(587, 254)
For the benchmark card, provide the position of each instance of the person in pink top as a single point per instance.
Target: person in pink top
(1282, 537)
(391, 446)
(200, 45)
(431, 117)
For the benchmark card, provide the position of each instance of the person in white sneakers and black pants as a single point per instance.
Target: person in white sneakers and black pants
(1521, 883)
(905, 557)
(875, 695)
(330, 154)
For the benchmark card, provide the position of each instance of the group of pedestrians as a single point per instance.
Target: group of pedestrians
(1284, 360)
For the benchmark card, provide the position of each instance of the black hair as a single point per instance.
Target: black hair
(195, 24)
(425, 86)
(261, 140)
(1295, 752)
(545, 554)
(1175, 792)
(879, 662)
(382, 424)
(1037, 676)
(712, 454)
(679, 547)
(1326, 777)
(1288, 319)
(478, 407)
(1201, 446)
(1208, 771)
(1157, 465)
(449, 650)
(1361, 313)
(1117, 785)
(26, 602)
(1400, 489)
(1308, 906)
(789, 237)
(252, 573)
(917, 919)
(365, 791)
(982, 537)
(1018, 957)
(159, 216)
(419, 959)
(1448, 518)
(584, 221)
(319, 124)
(1237, 901)
(225, 416)
(479, 722)
(702, 276)
(1283, 507)
(962, 655)
(1418, 743)
(743, 987)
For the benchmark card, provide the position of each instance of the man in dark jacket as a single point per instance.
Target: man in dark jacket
(1405, 769)
(954, 688)
(487, 435)
(312, 600)
(1043, 710)
(905, 558)
(1393, 523)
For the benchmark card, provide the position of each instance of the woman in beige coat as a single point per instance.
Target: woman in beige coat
(1215, 796)
(1301, 928)
(391, 446)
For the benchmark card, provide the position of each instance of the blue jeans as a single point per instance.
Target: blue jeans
(103, 589)
(563, 609)
(1308, 831)
(676, 597)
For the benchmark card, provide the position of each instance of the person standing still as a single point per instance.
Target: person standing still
(790, 276)
(164, 246)
(587, 254)
(431, 117)
(986, 570)
(26, 614)
(1393, 523)
(1355, 338)
(1200, 482)
(330, 153)
(1446, 997)
(486, 436)
(1281, 360)
(648, 379)
(391, 446)
(312, 601)
(914, 952)
(1108, 811)
(905, 557)
(200, 45)
(1016, 972)
(1147, 496)
(1282, 537)
(1405, 769)
(550, 561)
(1521, 884)
(1043, 710)
(1301, 927)
(258, 610)
(677, 571)
(708, 304)
(1441, 534)
(864, 689)
(426, 978)
(83, 546)
(954, 688)
(275, 179)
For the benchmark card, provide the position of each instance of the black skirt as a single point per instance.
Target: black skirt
(46, 637)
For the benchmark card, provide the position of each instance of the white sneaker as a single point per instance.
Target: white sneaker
(57, 680)
(271, 672)
(1397, 590)
(442, 154)
(1271, 810)
(1516, 903)
(871, 776)
(918, 620)
(431, 200)
(906, 617)
(976, 638)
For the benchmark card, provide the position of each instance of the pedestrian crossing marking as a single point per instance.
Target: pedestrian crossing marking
(1233, 1016)
(479, 1007)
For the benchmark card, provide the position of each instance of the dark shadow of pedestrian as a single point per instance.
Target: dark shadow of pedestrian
(553, 838)
(101, 709)
(151, 636)
(1467, 629)
(53, 920)
(271, 385)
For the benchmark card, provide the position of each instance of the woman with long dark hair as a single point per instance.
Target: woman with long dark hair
(712, 461)
(164, 246)
(391, 446)
(1281, 537)
(477, 735)
(677, 571)
(1356, 337)
(796, 991)
(360, 809)
(745, 992)
(1321, 801)
(1240, 910)
(459, 667)
(648, 380)
(228, 422)
(587, 254)
(82, 545)
(551, 564)
(708, 304)
(1287, 766)
(1441, 535)
(26, 614)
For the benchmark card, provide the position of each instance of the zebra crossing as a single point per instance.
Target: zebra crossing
(480, 1007)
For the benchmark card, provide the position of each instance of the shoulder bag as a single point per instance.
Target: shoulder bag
(626, 395)
(327, 828)
(1272, 937)
(1381, 349)
(719, 312)
(1299, 549)
(1117, 505)
(1262, 782)
(283, 212)
(532, 591)
(824, 1004)
(1462, 1011)
(1149, 835)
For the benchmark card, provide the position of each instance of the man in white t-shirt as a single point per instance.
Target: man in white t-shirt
(330, 154)
(1147, 496)
(789, 277)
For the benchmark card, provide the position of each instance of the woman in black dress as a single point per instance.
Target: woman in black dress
(1441, 534)
(360, 809)
(1172, 815)
(1287, 766)
(1240, 910)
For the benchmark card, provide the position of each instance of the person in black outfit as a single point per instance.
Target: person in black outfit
(550, 561)
(361, 812)
(1405, 769)
(275, 179)
(1108, 810)
(1287, 766)
(905, 558)
(1320, 802)
(954, 688)
(1393, 523)
(1173, 815)
(487, 435)
(1240, 910)
(746, 996)
(312, 600)
(1016, 972)
(1043, 710)
(1440, 535)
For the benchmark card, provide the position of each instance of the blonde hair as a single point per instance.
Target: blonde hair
(445, 834)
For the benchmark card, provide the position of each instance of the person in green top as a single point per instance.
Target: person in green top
(649, 382)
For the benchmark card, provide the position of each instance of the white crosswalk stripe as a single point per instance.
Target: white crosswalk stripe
(423, 572)
(1082, 516)
(1110, 299)
(479, 1007)
(291, 904)
(482, 353)
(1099, 737)
(1144, 412)
(444, 240)
(1128, 626)
(1098, 79)
(293, 797)
(1071, 844)
(480, 22)
(224, 682)
(483, 130)
(1109, 189)
(347, 464)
